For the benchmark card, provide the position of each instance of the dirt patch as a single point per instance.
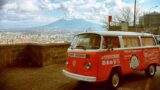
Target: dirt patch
(29, 78)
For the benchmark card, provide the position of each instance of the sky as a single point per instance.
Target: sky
(31, 13)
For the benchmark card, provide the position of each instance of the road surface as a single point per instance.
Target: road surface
(51, 78)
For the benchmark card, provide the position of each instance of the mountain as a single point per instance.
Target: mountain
(72, 25)
(61, 26)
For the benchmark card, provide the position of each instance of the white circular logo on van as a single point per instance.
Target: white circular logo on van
(134, 62)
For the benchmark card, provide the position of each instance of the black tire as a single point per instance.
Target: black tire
(150, 71)
(114, 79)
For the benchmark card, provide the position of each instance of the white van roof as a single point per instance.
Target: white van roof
(118, 33)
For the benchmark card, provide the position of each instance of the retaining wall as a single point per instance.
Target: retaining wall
(32, 54)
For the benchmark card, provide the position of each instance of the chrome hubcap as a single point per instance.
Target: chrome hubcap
(151, 70)
(115, 80)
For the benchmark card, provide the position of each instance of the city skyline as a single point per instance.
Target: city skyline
(31, 13)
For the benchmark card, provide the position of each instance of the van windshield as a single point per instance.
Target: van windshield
(86, 41)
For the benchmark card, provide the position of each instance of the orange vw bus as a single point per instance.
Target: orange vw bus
(106, 55)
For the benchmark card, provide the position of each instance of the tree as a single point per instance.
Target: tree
(125, 14)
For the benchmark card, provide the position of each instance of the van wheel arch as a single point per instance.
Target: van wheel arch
(155, 64)
(117, 69)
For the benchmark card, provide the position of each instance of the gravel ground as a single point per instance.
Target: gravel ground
(51, 78)
(29, 78)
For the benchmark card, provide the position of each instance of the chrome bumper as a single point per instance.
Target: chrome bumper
(79, 77)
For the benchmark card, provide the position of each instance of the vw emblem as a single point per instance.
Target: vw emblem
(74, 62)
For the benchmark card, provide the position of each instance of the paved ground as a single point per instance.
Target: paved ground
(51, 78)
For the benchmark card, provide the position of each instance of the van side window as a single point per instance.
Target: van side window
(131, 41)
(110, 41)
(148, 41)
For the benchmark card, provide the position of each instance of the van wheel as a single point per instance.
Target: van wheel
(114, 80)
(150, 71)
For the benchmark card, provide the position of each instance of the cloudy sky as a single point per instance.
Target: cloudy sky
(28, 13)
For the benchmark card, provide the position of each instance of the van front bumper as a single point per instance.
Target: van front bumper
(79, 77)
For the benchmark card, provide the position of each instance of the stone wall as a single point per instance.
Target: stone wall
(43, 55)
(32, 54)
(12, 54)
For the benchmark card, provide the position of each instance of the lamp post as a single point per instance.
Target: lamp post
(134, 22)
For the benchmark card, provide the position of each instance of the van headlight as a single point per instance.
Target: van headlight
(88, 65)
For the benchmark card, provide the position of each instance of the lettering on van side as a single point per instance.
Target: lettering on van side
(151, 54)
(110, 59)
(110, 56)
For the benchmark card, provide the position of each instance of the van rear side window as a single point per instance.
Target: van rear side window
(131, 41)
(148, 41)
(110, 41)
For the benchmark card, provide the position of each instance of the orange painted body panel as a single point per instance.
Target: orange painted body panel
(102, 62)
(159, 57)
(79, 68)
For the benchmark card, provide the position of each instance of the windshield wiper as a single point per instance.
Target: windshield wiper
(82, 47)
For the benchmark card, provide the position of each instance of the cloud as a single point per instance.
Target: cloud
(21, 6)
(36, 10)
(2, 2)
(141, 1)
(18, 10)
(86, 9)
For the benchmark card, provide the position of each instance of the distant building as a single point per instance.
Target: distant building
(151, 22)
(147, 23)
(125, 27)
